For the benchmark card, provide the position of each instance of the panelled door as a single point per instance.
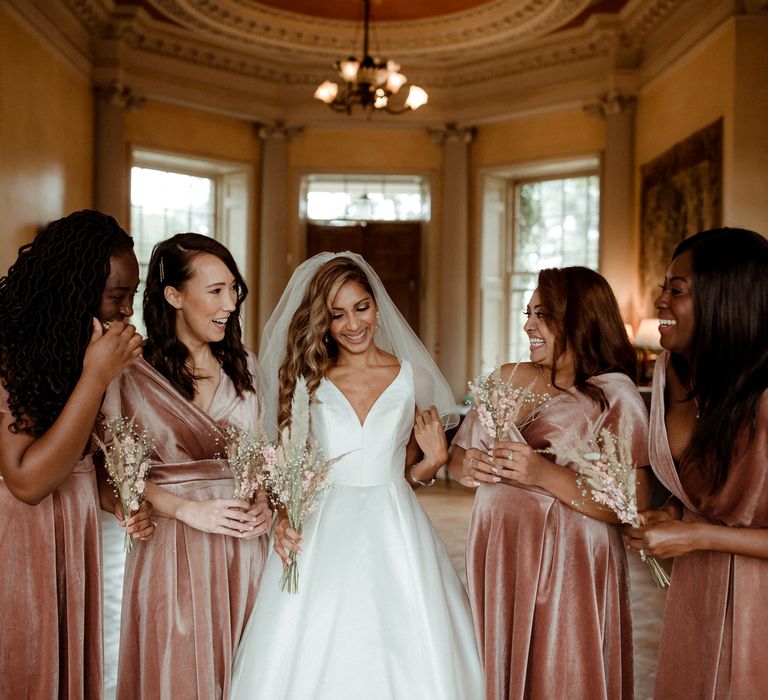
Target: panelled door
(393, 249)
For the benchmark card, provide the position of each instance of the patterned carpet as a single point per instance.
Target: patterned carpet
(449, 508)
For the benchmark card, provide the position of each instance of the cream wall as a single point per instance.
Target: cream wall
(46, 136)
(723, 76)
(374, 151)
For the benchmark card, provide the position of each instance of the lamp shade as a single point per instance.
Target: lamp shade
(630, 332)
(349, 68)
(416, 97)
(327, 91)
(648, 335)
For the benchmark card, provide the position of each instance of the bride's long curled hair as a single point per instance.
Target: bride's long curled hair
(310, 349)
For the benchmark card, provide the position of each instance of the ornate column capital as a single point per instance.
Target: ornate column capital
(611, 103)
(119, 95)
(452, 133)
(278, 130)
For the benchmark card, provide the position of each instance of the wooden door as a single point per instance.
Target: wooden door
(393, 249)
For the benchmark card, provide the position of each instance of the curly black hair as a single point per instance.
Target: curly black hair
(47, 302)
(163, 349)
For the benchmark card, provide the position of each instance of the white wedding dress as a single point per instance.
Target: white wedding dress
(380, 613)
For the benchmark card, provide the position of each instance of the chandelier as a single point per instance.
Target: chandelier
(369, 82)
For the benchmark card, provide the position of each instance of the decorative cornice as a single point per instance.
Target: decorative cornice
(263, 63)
(260, 25)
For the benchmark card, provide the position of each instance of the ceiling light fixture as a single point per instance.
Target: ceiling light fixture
(369, 82)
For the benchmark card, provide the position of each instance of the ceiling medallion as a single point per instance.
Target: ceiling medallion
(369, 82)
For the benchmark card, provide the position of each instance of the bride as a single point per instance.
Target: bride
(380, 612)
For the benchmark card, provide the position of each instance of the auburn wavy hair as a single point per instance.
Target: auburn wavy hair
(727, 367)
(310, 348)
(47, 302)
(581, 310)
(171, 265)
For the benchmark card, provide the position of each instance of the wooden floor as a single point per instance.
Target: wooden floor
(449, 509)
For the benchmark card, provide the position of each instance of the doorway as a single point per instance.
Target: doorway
(392, 248)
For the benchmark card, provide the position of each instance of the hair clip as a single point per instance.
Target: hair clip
(162, 270)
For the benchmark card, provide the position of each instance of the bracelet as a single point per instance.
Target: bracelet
(414, 480)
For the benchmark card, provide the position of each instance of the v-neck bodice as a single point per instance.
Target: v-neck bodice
(377, 446)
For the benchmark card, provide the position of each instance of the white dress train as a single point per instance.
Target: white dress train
(380, 612)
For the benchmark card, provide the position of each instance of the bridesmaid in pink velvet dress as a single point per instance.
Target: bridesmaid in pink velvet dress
(56, 360)
(709, 446)
(188, 593)
(546, 566)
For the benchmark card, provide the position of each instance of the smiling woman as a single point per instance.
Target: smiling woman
(708, 446)
(194, 379)
(544, 580)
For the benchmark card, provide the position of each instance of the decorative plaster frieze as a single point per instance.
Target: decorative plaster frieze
(611, 103)
(278, 130)
(119, 95)
(452, 133)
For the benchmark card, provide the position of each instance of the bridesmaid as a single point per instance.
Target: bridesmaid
(188, 592)
(56, 361)
(709, 446)
(549, 587)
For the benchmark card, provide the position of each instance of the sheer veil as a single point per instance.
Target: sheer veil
(393, 334)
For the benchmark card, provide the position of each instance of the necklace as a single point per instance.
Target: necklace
(691, 395)
(547, 384)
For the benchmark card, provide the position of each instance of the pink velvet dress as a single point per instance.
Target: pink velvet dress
(186, 594)
(715, 633)
(549, 587)
(50, 590)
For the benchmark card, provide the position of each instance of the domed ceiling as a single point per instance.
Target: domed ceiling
(480, 60)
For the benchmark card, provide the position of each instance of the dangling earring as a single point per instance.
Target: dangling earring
(327, 339)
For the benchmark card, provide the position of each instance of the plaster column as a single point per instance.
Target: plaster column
(619, 245)
(453, 330)
(111, 167)
(275, 205)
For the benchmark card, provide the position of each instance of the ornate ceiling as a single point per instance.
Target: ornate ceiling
(480, 60)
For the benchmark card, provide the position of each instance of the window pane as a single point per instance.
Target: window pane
(163, 204)
(556, 224)
(366, 198)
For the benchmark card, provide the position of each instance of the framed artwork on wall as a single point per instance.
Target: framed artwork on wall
(681, 193)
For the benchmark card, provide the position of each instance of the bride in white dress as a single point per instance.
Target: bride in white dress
(380, 613)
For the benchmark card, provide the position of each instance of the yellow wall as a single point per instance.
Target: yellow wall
(694, 92)
(46, 135)
(723, 76)
(745, 197)
(192, 132)
(538, 137)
